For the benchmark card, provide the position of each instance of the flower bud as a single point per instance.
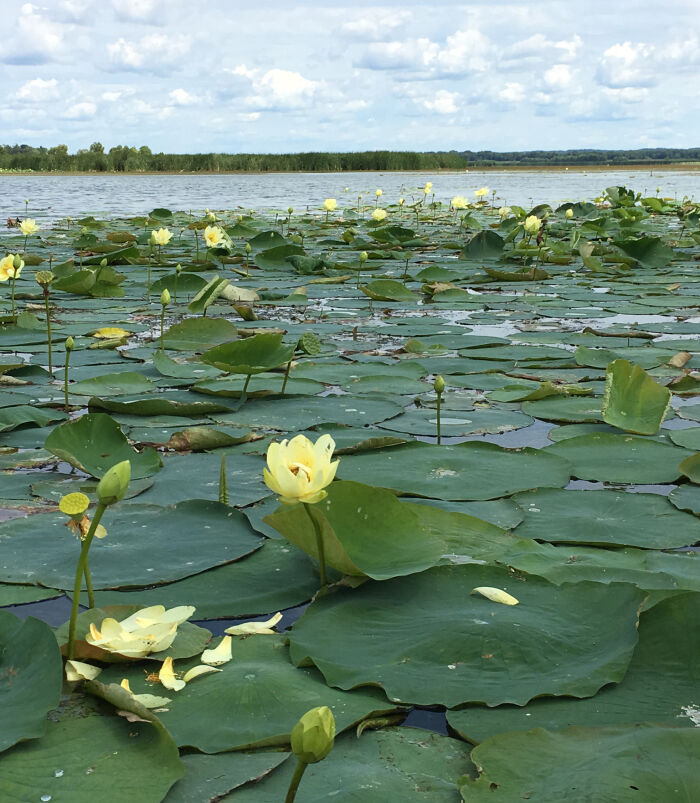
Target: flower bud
(313, 736)
(17, 262)
(70, 344)
(439, 384)
(290, 210)
(112, 487)
(178, 268)
(378, 193)
(569, 212)
(364, 256)
(165, 297)
(248, 248)
(103, 263)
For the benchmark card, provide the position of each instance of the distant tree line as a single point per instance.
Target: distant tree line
(126, 159)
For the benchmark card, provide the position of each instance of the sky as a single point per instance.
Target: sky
(183, 76)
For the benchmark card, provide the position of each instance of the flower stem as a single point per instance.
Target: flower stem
(65, 379)
(48, 328)
(286, 376)
(294, 783)
(437, 418)
(14, 279)
(162, 328)
(319, 546)
(88, 584)
(79, 572)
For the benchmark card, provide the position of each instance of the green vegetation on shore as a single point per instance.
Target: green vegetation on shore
(125, 159)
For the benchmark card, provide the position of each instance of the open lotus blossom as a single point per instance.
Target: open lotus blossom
(481, 192)
(379, 214)
(146, 700)
(109, 332)
(214, 236)
(29, 227)
(221, 654)
(161, 236)
(532, 224)
(504, 211)
(148, 630)
(459, 202)
(428, 186)
(496, 595)
(255, 628)
(330, 205)
(299, 470)
(7, 268)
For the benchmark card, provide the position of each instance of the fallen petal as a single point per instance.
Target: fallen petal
(495, 595)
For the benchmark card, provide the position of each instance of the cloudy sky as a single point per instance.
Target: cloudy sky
(277, 76)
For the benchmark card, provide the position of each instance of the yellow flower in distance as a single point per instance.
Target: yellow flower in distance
(459, 202)
(481, 192)
(569, 213)
(74, 504)
(495, 595)
(428, 185)
(330, 205)
(379, 193)
(299, 470)
(213, 236)
(532, 224)
(379, 215)
(504, 211)
(29, 227)
(161, 236)
(108, 332)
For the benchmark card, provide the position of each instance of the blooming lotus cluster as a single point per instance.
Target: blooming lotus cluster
(379, 215)
(459, 202)
(148, 630)
(330, 205)
(299, 470)
(481, 192)
(8, 269)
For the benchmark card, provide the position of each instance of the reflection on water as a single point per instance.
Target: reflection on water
(59, 196)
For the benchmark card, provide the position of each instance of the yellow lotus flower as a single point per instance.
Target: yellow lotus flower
(74, 504)
(481, 192)
(402, 201)
(532, 224)
(299, 470)
(221, 654)
(255, 628)
(7, 268)
(29, 227)
(330, 205)
(569, 213)
(167, 676)
(148, 630)
(379, 193)
(459, 202)
(504, 211)
(313, 736)
(77, 670)
(495, 595)
(379, 214)
(213, 236)
(108, 332)
(428, 185)
(161, 236)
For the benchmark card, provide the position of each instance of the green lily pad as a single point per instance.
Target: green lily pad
(610, 518)
(557, 641)
(423, 421)
(620, 458)
(632, 400)
(31, 673)
(686, 497)
(12, 594)
(94, 443)
(121, 384)
(595, 763)
(252, 355)
(242, 707)
(469, 471)
(145, 545)
(660, 685)
(13, 417)
(690, 467)
(86, 757)
(199, 334)
(564, 408)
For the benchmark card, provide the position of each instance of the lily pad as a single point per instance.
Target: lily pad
(632, 400)
(251, 355)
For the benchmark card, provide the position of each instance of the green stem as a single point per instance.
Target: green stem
(177, 276)
(286, 376)
(79, 572)
(162, 328)
(294, 783)
(88, 584)
(65, 379)
(148, 279)
(319, 545)
(48, 329)
(14, 279)
(439, 401)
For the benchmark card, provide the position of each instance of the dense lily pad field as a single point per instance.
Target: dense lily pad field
(565, 474)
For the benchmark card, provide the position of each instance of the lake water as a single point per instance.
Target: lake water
(57, 196)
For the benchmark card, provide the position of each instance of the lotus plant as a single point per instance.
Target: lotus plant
(330, 205)
(11, 268)
(300, 471)
(44, 278)
(439, 387)
(164, 301)
(311, 739)
(69, 346)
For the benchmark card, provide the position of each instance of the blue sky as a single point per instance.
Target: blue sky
(277, 76)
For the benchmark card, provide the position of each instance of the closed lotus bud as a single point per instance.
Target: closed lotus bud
(112, 487)
(290, 210)
(313, 736)
(569, 212)
(152, 238)
(17, 262)
(178, 268)
(165, 297)
(364, 256)
(83, 231)
(103, 263)
(248, 248)
(439, 384)
(70, 344)
(378, 193)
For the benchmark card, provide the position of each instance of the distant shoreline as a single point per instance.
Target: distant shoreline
(582, 168)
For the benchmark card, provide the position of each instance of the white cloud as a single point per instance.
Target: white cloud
(374, 25)
(80, 111)
(38, 90)
(540, 47)
(181, 97)
(281, 89)
(36, 39)
(512, 92)
(153, 53)
(139, 10)
(627, 64)
(558, 76)
(444, 102)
